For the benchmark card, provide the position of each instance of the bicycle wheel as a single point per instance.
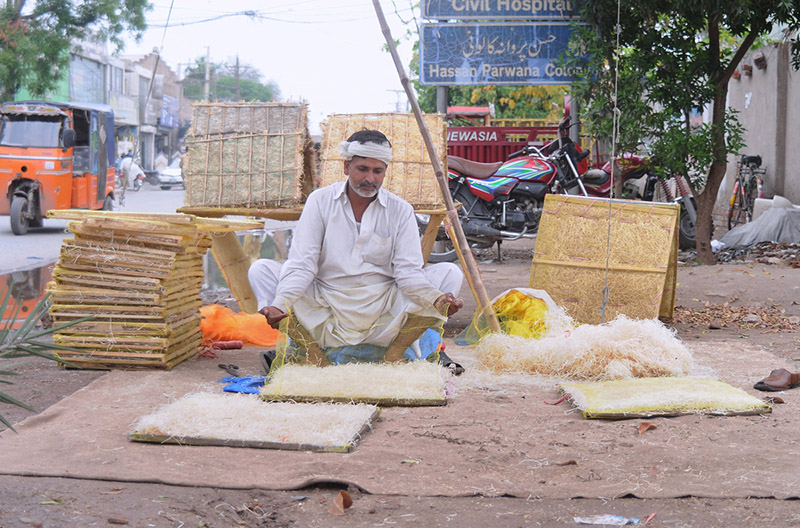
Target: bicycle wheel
(738, 213)
(750, 194)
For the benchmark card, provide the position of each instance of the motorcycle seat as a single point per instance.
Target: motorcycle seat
(473, 169)
(596, 176)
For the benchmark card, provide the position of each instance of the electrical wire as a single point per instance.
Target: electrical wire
(275, 16)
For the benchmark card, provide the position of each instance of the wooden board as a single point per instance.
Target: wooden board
(138, 277)
(383, 402)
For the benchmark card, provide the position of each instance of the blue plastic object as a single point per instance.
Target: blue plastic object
(245, 384)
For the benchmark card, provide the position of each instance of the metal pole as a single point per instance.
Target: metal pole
(208, 75)
(441, 99)
(574, 114)
(467, 258)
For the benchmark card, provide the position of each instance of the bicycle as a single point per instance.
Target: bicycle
(746, 188)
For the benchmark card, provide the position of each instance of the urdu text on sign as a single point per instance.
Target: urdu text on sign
(481, 54)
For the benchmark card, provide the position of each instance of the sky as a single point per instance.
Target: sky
(328, 53)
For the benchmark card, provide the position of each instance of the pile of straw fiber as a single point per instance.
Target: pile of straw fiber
(248, 155)
(139, 277)
(410, 175)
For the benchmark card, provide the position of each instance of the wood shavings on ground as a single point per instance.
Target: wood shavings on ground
(408, 384)
(636, 398)
(246, 421)
(768, 318)
(623, 348)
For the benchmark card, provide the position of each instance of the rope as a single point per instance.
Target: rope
(614, 136)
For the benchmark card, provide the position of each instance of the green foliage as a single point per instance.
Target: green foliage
(25, 340)
(223, 82)
(667, 58)
(678, 150)
(35, 43)
(674, 56)
(601, 85)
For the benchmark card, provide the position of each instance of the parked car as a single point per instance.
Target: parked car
(171, 176)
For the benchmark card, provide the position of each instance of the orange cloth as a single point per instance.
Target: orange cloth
(219, 323)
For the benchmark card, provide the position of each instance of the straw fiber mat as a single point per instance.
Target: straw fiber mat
(410, 174)
(573, 249)
(495, 437)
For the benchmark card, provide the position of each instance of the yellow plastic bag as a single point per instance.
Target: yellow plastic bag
(520, 311)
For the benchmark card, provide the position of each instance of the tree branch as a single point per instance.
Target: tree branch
(713, 44)
(737, 57)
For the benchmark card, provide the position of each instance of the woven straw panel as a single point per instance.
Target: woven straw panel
(248, 155)
(569, 261)
(410, 175)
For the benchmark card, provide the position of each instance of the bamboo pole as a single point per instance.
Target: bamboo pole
(467, 258)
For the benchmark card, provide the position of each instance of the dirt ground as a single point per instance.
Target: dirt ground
(762, 309)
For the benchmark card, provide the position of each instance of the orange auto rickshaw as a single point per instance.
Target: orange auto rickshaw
(27, 288)
(55, 156)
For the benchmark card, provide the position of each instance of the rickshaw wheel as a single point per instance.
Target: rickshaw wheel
(19, 215)
(108, 204)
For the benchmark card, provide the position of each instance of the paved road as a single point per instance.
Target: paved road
(41, 246)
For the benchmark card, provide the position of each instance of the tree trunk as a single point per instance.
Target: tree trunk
(707, 198)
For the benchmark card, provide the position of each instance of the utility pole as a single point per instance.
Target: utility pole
(398, 107)
(208, 74)
(238, 95)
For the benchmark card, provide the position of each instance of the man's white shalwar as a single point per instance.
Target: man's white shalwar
(350, 284)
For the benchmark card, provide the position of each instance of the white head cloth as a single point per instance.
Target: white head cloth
(382, 152)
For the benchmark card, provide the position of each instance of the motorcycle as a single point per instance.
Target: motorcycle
(503, 200)
(640, 183)
(137, 181)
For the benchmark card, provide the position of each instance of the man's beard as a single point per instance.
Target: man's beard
(364, 190)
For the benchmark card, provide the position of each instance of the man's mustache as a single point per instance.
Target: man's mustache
(368, 184)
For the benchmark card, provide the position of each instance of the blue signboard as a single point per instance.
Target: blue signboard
(482, 54)
(500, 9)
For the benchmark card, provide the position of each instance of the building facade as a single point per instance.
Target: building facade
(144, 92)
(765, 91)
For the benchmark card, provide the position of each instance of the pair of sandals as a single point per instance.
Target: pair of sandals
(269, 356)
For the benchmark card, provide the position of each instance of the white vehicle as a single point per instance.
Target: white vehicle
(171, 176)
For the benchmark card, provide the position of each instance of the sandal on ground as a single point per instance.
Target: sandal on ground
(266, 360)
(778, 380)
(231, 369)
(445, 361)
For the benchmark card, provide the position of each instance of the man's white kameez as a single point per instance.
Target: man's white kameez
(367, 279)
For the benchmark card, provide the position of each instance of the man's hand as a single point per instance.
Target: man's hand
(447, 304)
(273, 315)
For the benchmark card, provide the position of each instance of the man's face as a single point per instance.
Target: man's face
(365, 175)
